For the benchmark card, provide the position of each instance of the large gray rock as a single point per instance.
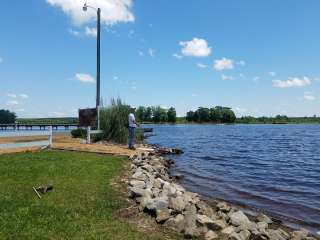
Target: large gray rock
(177, 203)
(137, 184)
(205, 209)
(228, 230)
(224, 207)
(203, 220)
(239, 218)
(262, 226)
(158, 183)
(138, 175)
(251, 226)
(278, 234)
(190, 227)
(169, 190)
(157, 204)
(299, 234)
(210, 235)
(176, 223)
(259, 235)
(263, 218)
(243, 235)
(217, 225)
(135, 192)
(162, 215)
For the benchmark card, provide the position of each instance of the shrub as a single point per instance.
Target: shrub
(114, 120)
(79, 133)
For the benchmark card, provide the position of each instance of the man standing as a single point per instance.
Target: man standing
(132, 125)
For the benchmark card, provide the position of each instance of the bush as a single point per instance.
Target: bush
(114, 121)
(79, 133)
(7, 117)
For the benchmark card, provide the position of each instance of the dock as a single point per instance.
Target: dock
(36, 126)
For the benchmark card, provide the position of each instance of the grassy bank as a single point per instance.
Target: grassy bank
(81, 205)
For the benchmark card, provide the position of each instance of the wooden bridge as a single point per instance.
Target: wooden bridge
(36, 126)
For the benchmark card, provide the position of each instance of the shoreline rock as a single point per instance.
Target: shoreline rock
(171, 205)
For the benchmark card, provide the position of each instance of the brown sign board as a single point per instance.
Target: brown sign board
(88, 117)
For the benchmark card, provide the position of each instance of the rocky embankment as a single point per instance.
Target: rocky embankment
(157, 194)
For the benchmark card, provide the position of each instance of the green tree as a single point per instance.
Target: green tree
(189, 116)
(148, 114)
(215, 115)
(204, 114)
(228, 115)
(172, 115)
(7, 117)
(140, 113)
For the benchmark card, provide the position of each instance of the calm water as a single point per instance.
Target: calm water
(275, 168)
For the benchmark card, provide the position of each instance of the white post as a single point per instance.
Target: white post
(88, 135)
(50, 136)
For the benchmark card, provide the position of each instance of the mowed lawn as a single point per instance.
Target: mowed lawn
(81, 205)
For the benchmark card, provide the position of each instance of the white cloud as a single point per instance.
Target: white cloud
(12, 103)
(292, 82)
(201, 65)
(195, 48)
(223, 64)
(309, 97)
(86, 78)
(152, 52)
(177, 56)
(240, 110)
(115, 77)
(225, 77)
(272, 74)
(11, 95)
(74, 32)
(241, 63)
(25, 96)
(112, 11)
(141, 54)
(91, 32)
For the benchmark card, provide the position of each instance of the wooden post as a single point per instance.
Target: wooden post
(88, 135)
(50, 136)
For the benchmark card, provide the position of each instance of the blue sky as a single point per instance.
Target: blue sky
(258, 57)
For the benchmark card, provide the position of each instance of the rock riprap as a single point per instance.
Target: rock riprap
(157, 194)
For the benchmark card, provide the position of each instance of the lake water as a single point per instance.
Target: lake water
(274, 168)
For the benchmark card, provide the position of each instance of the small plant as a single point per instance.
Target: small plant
(79, 133)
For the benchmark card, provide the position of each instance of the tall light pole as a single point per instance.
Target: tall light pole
(85, 8)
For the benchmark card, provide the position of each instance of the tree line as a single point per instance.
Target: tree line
(279, 119)
(156, 114)
(216, 114)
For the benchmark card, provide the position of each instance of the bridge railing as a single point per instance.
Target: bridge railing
(17, 134)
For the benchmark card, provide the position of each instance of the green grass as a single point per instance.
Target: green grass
(81, 205)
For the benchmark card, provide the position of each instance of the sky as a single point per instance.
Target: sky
(259, 57)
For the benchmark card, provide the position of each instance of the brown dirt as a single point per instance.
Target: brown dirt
(66, 142)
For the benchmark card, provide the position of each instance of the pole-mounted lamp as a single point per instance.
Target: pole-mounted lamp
(85, 8)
